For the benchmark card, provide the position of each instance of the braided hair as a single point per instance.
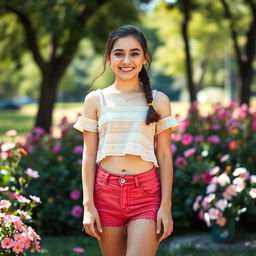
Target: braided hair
(130, 30)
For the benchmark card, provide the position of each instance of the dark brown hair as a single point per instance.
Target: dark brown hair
(130, 30)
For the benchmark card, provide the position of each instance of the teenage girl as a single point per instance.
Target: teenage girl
(127, 133)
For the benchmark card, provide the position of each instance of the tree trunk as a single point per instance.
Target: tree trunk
(47, 99)
(189, 69)
(246, 80)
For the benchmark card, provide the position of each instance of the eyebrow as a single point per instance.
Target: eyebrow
(120, 50)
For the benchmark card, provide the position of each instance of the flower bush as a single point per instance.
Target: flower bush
(57, 158)
(199, 145)
(230, 192)
(16, 235)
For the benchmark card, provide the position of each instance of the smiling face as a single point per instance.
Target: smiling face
(126, 58)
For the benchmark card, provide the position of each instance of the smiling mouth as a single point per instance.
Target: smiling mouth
(126, 69)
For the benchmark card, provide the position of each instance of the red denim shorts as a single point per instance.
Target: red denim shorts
(123, 198)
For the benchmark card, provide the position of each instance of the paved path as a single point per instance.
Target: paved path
(204, 241)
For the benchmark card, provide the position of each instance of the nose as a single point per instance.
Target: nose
(126, 59)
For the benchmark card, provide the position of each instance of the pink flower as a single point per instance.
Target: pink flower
(7, 242)
(180, 161)
(199, 138)
(187, 139)
(222, 204)
(38, 131)
(254, 125)
(206, 177)
(77, 211)
(13, 195)
(224, 158)
(32, 173)
(5, 204)
(56, 148)
(11, 218)
(173, 148)
(214, 213)
(214, 170)
(211, 188)
(215, 139)
(215, 127)
(229, 192)
(189, 152)
(78, 249)
(32, 235)
(11, 133)
(19, 237)
(4, 189)
(176, 137)
(23, 214)
(78, 150)
(75, 194)
(221, 221)
(23, 199)
(253, 179)
(35, 198)
(7, 146)
(18, 247)
(36, 245)
(240, 184)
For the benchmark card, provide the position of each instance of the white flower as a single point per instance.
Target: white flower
(223, 179)
(211, 188)
(253, 179)
(252, 192)
(239, 171)
(32, 173)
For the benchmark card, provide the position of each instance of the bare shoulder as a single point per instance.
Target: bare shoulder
(162, 104)
(91, 102)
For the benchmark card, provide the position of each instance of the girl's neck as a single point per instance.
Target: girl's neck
(127, 85)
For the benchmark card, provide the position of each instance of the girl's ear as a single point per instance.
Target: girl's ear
(108, 60)
(145, 61)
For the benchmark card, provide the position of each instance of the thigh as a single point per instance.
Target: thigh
(142, 238)
(113, 241)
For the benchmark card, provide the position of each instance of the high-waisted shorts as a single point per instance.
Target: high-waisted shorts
(120, 199)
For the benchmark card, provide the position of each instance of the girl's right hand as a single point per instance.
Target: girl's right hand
(90, 217)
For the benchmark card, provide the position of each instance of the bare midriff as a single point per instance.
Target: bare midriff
(126, 165)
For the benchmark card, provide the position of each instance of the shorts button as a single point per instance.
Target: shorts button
(122, 180)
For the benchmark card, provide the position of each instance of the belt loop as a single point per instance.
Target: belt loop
(137, 181)
(106, 178)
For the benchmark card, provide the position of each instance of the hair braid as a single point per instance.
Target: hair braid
(152, 115)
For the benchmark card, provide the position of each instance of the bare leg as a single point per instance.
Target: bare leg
(113, 241)
(142, 238)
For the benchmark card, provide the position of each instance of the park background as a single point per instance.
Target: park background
(203, 58)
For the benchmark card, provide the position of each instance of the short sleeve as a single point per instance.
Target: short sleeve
(165, 123)
(86, 123)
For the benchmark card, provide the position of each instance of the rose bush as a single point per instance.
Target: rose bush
(229, 193)
(16, 235)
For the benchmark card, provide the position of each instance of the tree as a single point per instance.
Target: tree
(246, 55)
(51, 31)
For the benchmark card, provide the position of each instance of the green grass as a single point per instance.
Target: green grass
(63, 246)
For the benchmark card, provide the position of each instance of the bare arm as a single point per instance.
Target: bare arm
(164, 156)
(90, 150)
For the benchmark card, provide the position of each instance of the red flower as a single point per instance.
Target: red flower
(233, 145)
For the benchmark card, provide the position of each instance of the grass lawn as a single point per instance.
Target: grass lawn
(63, 246)
(22, 120)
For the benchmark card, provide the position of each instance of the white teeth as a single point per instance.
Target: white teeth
(126, 69)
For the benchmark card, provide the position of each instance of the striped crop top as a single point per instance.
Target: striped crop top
(122, 130)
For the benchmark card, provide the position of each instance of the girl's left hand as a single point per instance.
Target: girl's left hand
(164, 223)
